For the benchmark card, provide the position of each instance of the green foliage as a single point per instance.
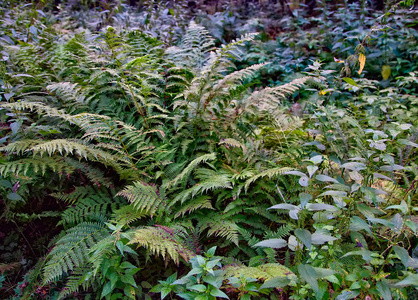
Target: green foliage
(291, 157)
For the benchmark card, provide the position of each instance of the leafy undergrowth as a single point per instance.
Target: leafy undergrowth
(144, 156)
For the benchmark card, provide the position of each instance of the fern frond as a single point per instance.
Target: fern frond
(268, 99)
(161, 240)
(93, 208)
(265, 272)
(126, 215)
(36, 165)
(71, 251)
(203, 201)
(270, 173)
(217, 226)
(201, 159)
(144, 197)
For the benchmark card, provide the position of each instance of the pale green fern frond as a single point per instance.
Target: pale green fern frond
(145, 198)
(161, 240)
(36, 165)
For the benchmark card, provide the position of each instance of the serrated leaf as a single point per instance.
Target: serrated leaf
(218, 293)
(309, 275)
(198, 288)
(384, 290)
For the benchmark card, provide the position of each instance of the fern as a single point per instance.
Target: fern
(270, 173)
(145, 198)
(189, 168)
(161, 240)
(72, 250)
(94, 208)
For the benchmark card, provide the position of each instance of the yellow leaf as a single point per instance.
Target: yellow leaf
(362, 60)
(386, 71)
(323, 92)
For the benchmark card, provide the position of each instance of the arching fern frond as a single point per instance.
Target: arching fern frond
(201, 159)
(93, 208)
(145, 198)
(203, 201)
(162, 240)
(270, 173)
(36, 165)
(71, 251)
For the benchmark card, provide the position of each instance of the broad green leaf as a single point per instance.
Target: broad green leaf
(321, 206)
(304, 199)
(211, 252)
(304, 181)
(411, 225)
(347, 294)
(333, 193)
(358, 224)
(354, 166)
(305, 237)
(272, 243)
(107, 289)
(317, 159)
(14, 197)
(320, 238)
(165, 291)
(410, 280)
(350, 81)
(218, 293)
(198, 288)
(325, 178)
(402, 254)
(6, 184)
(384, 290)
(365, 254)
(403, 207)
(311, 170)
(321, 272)
(276, 282)
(309, 275)
(381, 221)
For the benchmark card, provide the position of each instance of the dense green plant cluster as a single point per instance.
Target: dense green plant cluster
(153, 148)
